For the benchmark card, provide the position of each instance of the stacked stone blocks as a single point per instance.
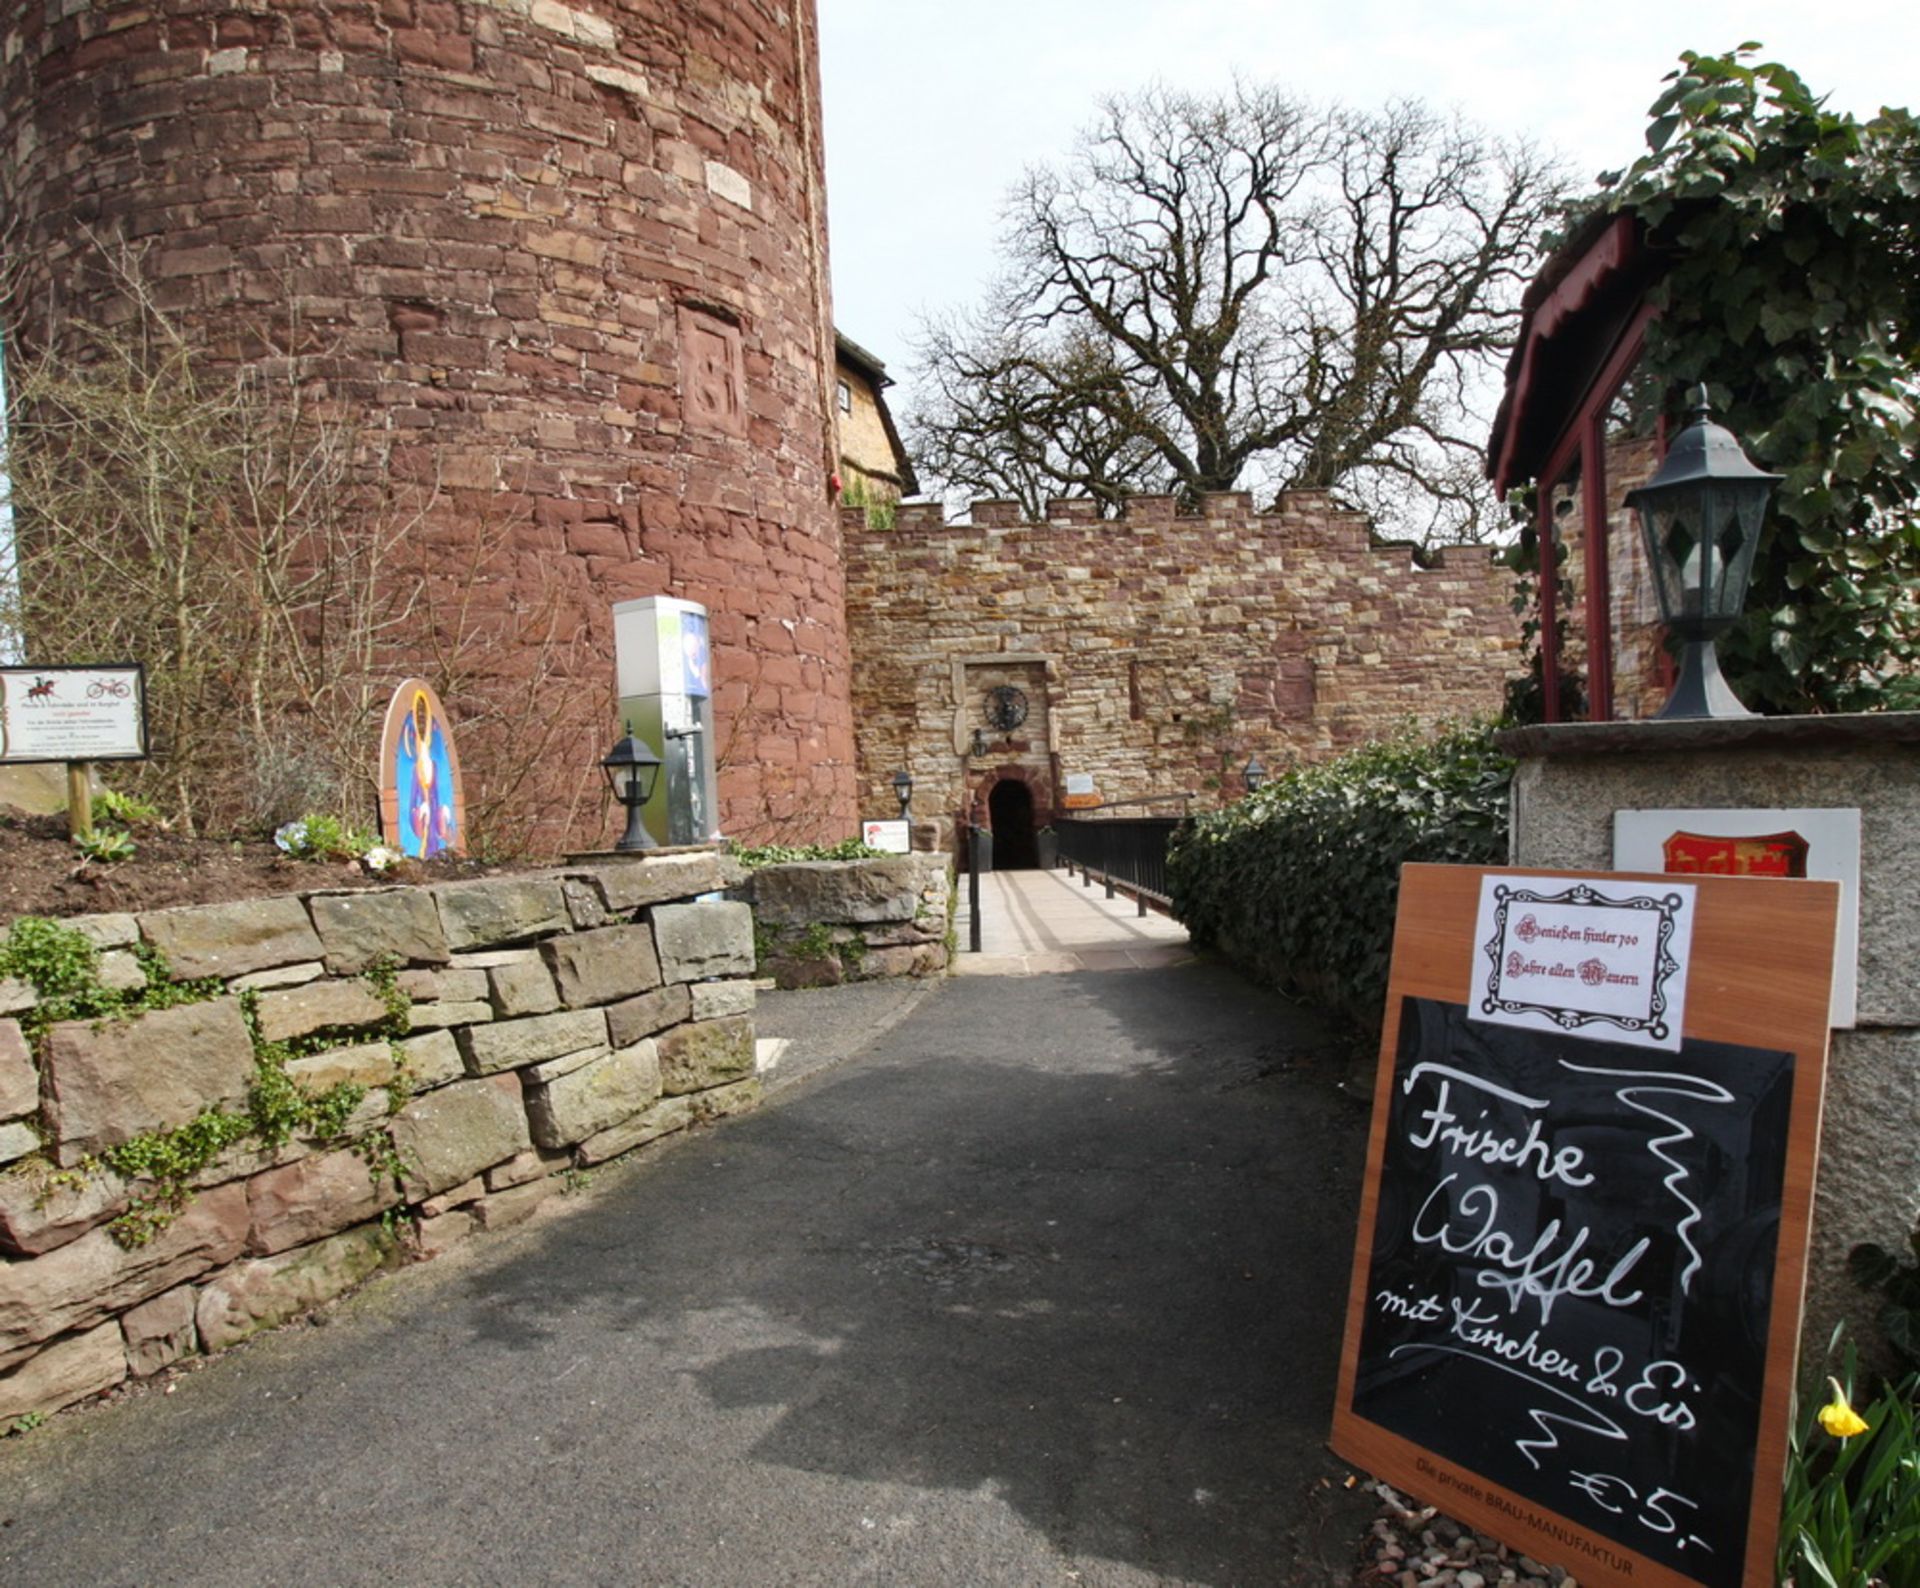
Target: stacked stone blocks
(824, 922)
(553, 1022)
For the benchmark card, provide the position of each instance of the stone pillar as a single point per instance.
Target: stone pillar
(1571, 779)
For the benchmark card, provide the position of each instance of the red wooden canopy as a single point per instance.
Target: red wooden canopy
(1583, 322)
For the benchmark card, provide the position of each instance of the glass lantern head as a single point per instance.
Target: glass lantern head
(631, 770)
(1700, 518)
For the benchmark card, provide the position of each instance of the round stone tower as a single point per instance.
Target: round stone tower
(566, 265)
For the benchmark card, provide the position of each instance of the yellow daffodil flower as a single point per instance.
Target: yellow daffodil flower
(1839, 1418)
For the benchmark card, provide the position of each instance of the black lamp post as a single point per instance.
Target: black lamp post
(1700, 521)
(903, 792)
(632, 770)
(1255, 774)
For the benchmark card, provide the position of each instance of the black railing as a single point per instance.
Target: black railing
(1126, 853)
(977, 840)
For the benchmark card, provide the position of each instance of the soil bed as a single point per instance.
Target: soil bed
(42, 874)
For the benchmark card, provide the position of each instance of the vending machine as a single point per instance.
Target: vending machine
(663, 665)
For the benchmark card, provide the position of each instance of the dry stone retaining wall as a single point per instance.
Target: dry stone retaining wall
(823, 922)
(534, 1025)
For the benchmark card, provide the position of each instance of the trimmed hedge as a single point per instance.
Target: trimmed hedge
(1298, 883)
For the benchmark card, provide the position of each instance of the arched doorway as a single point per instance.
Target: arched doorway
(1010, 815)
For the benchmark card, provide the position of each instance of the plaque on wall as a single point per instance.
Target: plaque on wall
(1820, 843)
(894, 837)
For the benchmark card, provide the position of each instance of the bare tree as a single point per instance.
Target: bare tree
(1243, 289)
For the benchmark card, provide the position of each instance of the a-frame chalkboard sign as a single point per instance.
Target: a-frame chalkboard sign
(1575, 1305)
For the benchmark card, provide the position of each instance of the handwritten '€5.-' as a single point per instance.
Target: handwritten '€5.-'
(1655, 1512)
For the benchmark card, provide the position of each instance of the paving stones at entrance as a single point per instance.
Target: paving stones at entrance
(1035, 923)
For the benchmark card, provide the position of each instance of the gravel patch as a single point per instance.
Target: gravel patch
(1413, 1546)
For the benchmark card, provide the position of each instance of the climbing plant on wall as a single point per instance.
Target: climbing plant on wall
(1793, 236)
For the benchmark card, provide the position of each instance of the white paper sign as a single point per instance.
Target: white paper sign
(893, 838)
(1599, 959)
(1079, 782)
(72, 714)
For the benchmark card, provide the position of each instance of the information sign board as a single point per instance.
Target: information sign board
(73, 714)
(893, 837)
(1574, 1309)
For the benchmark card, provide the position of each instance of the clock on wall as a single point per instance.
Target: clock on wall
(1006, 708)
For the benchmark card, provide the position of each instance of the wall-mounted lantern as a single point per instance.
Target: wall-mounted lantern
(903, 792)
(1700, 521)
(1255, 774)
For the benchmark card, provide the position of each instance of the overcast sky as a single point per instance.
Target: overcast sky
(933, 109)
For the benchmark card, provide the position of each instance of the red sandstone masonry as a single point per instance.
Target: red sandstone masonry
(490, 214)
(1167, 643)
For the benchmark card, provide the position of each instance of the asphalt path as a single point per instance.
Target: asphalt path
(1039, 1284)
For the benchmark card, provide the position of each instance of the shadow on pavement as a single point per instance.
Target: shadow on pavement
(1044, 1286)
(1076, 1242)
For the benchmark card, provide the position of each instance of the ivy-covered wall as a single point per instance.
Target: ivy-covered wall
(213, 1118)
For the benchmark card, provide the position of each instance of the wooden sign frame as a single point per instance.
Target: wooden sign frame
(1759, 978)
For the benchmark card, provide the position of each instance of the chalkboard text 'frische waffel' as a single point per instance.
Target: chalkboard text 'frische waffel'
(1570, 1274)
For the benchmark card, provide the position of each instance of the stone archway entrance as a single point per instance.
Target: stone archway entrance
(1010, 815)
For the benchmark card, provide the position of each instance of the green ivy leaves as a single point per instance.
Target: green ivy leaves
(1792, 233)
(1300, 881)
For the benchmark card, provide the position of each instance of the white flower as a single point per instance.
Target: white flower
(380, 858)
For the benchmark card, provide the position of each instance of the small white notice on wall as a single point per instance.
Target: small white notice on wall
(893, 838)
(1602, 959)
(1818, 843)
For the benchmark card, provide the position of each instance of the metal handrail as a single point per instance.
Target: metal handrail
(1125, 852)
(1186, 804)
(973, 887)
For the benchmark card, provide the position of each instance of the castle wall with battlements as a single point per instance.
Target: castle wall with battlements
(1156, 652)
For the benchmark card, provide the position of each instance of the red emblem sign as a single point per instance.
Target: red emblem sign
(1770, 855)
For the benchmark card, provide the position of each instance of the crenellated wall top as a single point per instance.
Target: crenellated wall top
(1296, 518)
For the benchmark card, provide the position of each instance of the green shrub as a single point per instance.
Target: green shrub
(321, 837)
(1298, 883)
(107, 845)
(126, 809)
